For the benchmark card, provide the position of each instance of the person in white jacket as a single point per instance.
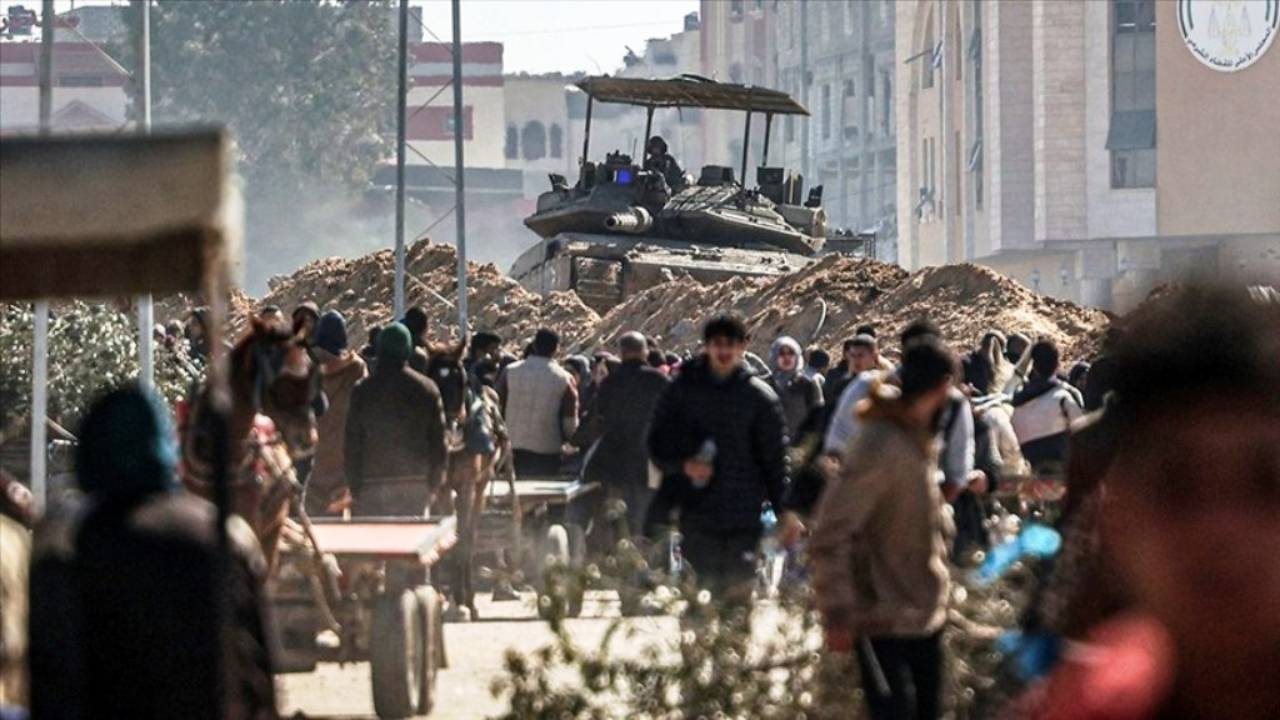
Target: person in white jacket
(1044, 409)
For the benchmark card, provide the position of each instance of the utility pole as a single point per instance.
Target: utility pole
(402, 77)
(146, 310)
(40, 343)
(805, 139)
(944, 171)
(460, 213)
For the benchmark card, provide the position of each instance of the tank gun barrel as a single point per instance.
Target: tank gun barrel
(632, 220)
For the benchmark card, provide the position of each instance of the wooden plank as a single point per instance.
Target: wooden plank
(419, 540)
(95, 215)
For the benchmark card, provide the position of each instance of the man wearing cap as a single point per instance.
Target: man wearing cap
(340, 371)
(624, 404)
(395, 451)
(540, 404)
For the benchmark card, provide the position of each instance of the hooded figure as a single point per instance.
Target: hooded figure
(123, 618)
(395, 451)
(340, 370)
(799, 393)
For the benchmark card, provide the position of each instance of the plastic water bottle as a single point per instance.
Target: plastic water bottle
(706, 455)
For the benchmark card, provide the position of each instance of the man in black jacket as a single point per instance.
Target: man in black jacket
(624, 404)
(717, 435)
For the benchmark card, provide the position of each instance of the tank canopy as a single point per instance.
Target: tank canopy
(690, 91)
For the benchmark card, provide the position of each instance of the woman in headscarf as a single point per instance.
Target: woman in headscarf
(799, 393)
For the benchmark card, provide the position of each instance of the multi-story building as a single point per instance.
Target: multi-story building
(837, 58)
(736, 47)
(1029, 142)
(88, 88)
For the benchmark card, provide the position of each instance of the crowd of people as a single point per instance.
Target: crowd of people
(881, 467)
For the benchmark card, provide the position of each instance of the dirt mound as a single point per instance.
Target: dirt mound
(824, 304)
(362, 288)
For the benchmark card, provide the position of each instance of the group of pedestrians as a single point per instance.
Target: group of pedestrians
(881, 469)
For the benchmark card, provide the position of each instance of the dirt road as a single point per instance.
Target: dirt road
(475, 653)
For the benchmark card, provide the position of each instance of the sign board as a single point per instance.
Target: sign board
(1228, 35)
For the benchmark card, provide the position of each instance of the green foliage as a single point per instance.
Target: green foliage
(307, 91)
(92, 347)
(702, 659)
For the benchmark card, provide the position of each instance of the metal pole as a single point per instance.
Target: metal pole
(648, 131)
(768, 125)
(746, 146)
(398, 300)
(146, 309)
(806, 161)
(459, 131)
(40, 343)
(586, 139)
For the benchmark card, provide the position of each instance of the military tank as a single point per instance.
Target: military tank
(623, 227)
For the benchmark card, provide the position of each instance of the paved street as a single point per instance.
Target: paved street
(475, 651)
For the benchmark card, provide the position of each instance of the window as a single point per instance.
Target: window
(1131, 137)
(735, 10)
(735, 73)
(826, 112)
(789, 127)
(512, 148)
(556, 141)
(927, 60)
(534, 140)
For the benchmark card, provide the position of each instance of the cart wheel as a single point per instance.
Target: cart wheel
(557, 580)
(434, 658)
(396, 650)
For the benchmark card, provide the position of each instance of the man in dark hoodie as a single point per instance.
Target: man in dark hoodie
(623, 408)
(718, 434)
(415, 321)
(1044, 409)
(395, 450)
(124, 620)
(340, 371)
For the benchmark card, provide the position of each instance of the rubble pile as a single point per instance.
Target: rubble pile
(824, 304)
(361, 289)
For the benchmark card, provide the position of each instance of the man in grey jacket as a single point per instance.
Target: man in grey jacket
(878, 549)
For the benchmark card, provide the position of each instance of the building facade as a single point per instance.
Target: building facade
(88, 88)
(1033, 134)
(837, 58)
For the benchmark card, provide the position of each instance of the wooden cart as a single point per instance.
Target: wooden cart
(349, 591)
(550, 516)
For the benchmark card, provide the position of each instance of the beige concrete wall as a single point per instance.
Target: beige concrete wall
(1009, 132)
(1218, 167)
(485, 148)
(1023, 267)
(1058, 101)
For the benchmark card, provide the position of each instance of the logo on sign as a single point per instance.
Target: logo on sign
(1228, 35)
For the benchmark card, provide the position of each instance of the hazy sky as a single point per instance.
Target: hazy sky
(538, 35)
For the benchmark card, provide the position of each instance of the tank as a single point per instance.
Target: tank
(615, 231)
